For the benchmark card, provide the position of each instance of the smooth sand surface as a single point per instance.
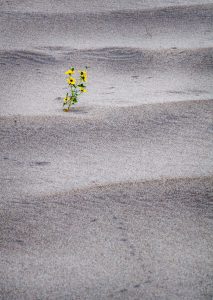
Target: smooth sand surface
(112, 200)
(120, 241)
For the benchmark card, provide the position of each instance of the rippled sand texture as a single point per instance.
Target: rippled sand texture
(137, 53)
(114, 199)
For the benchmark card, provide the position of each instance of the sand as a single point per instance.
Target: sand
(112, 200)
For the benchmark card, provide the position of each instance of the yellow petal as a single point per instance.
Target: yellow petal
(69, 72)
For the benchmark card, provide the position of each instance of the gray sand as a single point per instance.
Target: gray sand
(148, 240)
(136, 56)
(114, 199)
(46, 154)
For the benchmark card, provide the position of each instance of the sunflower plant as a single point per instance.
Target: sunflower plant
(76, 86)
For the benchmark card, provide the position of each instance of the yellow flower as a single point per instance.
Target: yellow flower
(83, 90)
(70, 71)
(71, 81)
(83, 75)
(66, 109)
(66, 99)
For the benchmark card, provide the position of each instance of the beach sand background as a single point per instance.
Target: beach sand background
(112, 200)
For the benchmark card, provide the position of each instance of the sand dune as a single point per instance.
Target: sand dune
(55, 6)
(183, 27)
(148, 142)
(114, 199)
(152, 76)
(134, 49)
(122, 241)
(161, 54)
